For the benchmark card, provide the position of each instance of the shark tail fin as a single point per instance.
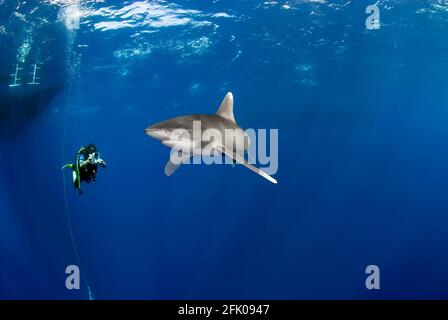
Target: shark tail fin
(226, 108)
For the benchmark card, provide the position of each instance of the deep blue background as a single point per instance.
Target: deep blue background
(362, 118)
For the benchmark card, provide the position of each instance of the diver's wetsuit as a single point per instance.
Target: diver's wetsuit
(87, 173)
(85, 167)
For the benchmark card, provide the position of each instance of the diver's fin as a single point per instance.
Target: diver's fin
(238, 158)
(68, 165)
(226, 108)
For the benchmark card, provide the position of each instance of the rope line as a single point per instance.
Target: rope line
(67, 212)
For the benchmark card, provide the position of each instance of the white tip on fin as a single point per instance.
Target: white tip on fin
(226, 108)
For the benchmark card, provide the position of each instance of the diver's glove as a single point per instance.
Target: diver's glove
(94, 158)
(102, 163)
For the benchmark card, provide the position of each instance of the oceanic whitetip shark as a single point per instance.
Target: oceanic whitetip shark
(180, 134)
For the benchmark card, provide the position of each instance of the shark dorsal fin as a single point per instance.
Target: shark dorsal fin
(226, 108)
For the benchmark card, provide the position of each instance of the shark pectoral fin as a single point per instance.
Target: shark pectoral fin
(238, 158)
(174, 162)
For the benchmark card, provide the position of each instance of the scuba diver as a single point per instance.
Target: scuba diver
(85, 167)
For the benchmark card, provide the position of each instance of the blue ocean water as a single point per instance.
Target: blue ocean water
(362, 119)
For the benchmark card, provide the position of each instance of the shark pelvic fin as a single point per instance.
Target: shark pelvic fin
(226, 108)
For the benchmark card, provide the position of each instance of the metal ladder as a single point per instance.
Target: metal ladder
(33, 82)
(16, 80)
